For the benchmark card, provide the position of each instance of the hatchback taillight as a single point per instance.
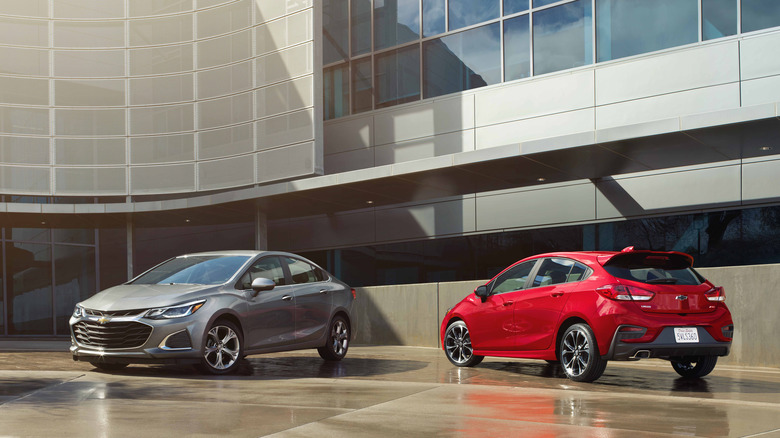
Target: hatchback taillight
(354, 294)
(621, 292)
(716, 294)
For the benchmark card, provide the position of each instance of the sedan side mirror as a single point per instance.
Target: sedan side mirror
(262, 284)
(482, 292)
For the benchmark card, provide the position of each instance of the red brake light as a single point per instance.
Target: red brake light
(354, 294)
(716, 294)
(620, 292)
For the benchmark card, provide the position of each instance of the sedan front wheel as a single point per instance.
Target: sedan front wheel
(222, 348)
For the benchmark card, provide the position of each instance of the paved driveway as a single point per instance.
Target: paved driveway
(380, 392)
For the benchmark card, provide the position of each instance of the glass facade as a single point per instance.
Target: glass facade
(465, 44)
(721, 238)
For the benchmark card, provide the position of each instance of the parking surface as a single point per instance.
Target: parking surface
(381, 392)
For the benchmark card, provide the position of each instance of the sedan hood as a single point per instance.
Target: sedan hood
(146, 296)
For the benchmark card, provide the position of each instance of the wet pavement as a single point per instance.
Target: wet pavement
(381, 392)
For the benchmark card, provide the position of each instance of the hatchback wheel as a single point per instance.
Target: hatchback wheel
(337, 344)
(222, 348)
(579, 354)
(457, 346)
(695, 367)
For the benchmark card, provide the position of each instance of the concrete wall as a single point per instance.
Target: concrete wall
(411, 314)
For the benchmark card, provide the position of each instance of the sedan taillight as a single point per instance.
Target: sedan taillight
(621, 292)
(354, 294)
(716, 294)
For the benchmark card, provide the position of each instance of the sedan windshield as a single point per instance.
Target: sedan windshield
(194, 270)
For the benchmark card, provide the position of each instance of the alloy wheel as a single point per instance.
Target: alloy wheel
(575, 354)
(222, 347)
(339, 337)
(457, 343)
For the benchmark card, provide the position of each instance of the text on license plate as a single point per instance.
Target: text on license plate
(686, 334)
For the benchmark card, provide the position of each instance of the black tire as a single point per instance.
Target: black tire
(223, 346)
(337, 344)
(579, 354)
(694, 367)
(457, 346)
(103, 366)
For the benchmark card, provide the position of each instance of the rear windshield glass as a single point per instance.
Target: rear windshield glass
(653, 269)
(194, 270)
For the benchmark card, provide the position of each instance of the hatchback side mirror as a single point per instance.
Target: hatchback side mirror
(481, 292)
(262, 284)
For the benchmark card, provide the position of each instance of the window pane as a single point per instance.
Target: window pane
(760, 14)
(29, 289)
(362, 92)
(336, 89)
(562, 37)
(301, 271)
(630, 27)
(512, 6)
(361, 27)
(552, 271)
(540, 3)
(397, 76)
(463, 61)
(395, 22)
(75, 235)
(513, 279)
(719, 18)
(269, 267)
(433, 17)
(335, 30)
(467, 12)
(578, 271)
(517, 46)
(74, 270)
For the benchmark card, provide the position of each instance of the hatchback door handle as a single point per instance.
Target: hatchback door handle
(556, 294)
(508, 303)
(287, 298)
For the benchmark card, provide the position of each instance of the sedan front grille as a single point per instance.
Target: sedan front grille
(115, 313)
(112, 334)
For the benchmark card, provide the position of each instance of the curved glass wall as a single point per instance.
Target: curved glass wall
(115, 98)
(467, 44)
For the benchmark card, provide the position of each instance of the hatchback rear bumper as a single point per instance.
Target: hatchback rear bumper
(666, 347)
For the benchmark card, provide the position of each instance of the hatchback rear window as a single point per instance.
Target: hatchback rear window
(653, 269)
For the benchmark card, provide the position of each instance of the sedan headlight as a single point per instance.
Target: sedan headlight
(178, 311)
(78, 311)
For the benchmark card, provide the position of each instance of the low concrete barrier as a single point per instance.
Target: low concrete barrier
(411, 314)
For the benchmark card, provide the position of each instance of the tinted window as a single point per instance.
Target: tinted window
(302, 272)
(513, 279)
(562, 37)
(462, 61)
(361, 27)
(517, 48)
(653, 269)
(760, 14)
(719, 18)
(362, 92)
(512, 6)
(578, 272)
(433, 17)
(335, 89)
(397, 76)
(335, 30)
(553, 271)
(268, 267)
(630, 27)
(467, 12)
(395, 22)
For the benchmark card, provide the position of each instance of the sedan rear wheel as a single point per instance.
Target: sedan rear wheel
(457, 346)
(579, 354)
(337, 344)
(695, 367)
(222, 348)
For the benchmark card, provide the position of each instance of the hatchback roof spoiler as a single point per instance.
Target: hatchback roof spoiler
(660, 257)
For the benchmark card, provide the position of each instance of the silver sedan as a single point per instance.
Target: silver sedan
(211, 309)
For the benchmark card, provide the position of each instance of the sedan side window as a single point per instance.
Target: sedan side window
(267, 267)
(513, 279)
(553, 271)
(302, 272)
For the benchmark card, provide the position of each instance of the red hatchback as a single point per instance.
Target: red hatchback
(586, 308)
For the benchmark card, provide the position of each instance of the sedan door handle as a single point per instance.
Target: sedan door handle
(323, 291)
(508, 303)
(556, 294)
(287, 298)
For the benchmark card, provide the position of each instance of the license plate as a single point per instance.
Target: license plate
(686, 335)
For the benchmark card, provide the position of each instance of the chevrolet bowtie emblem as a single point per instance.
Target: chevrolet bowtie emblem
(103, 320)
(682, 297)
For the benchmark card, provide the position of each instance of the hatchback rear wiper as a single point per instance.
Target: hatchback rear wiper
(662, 281)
